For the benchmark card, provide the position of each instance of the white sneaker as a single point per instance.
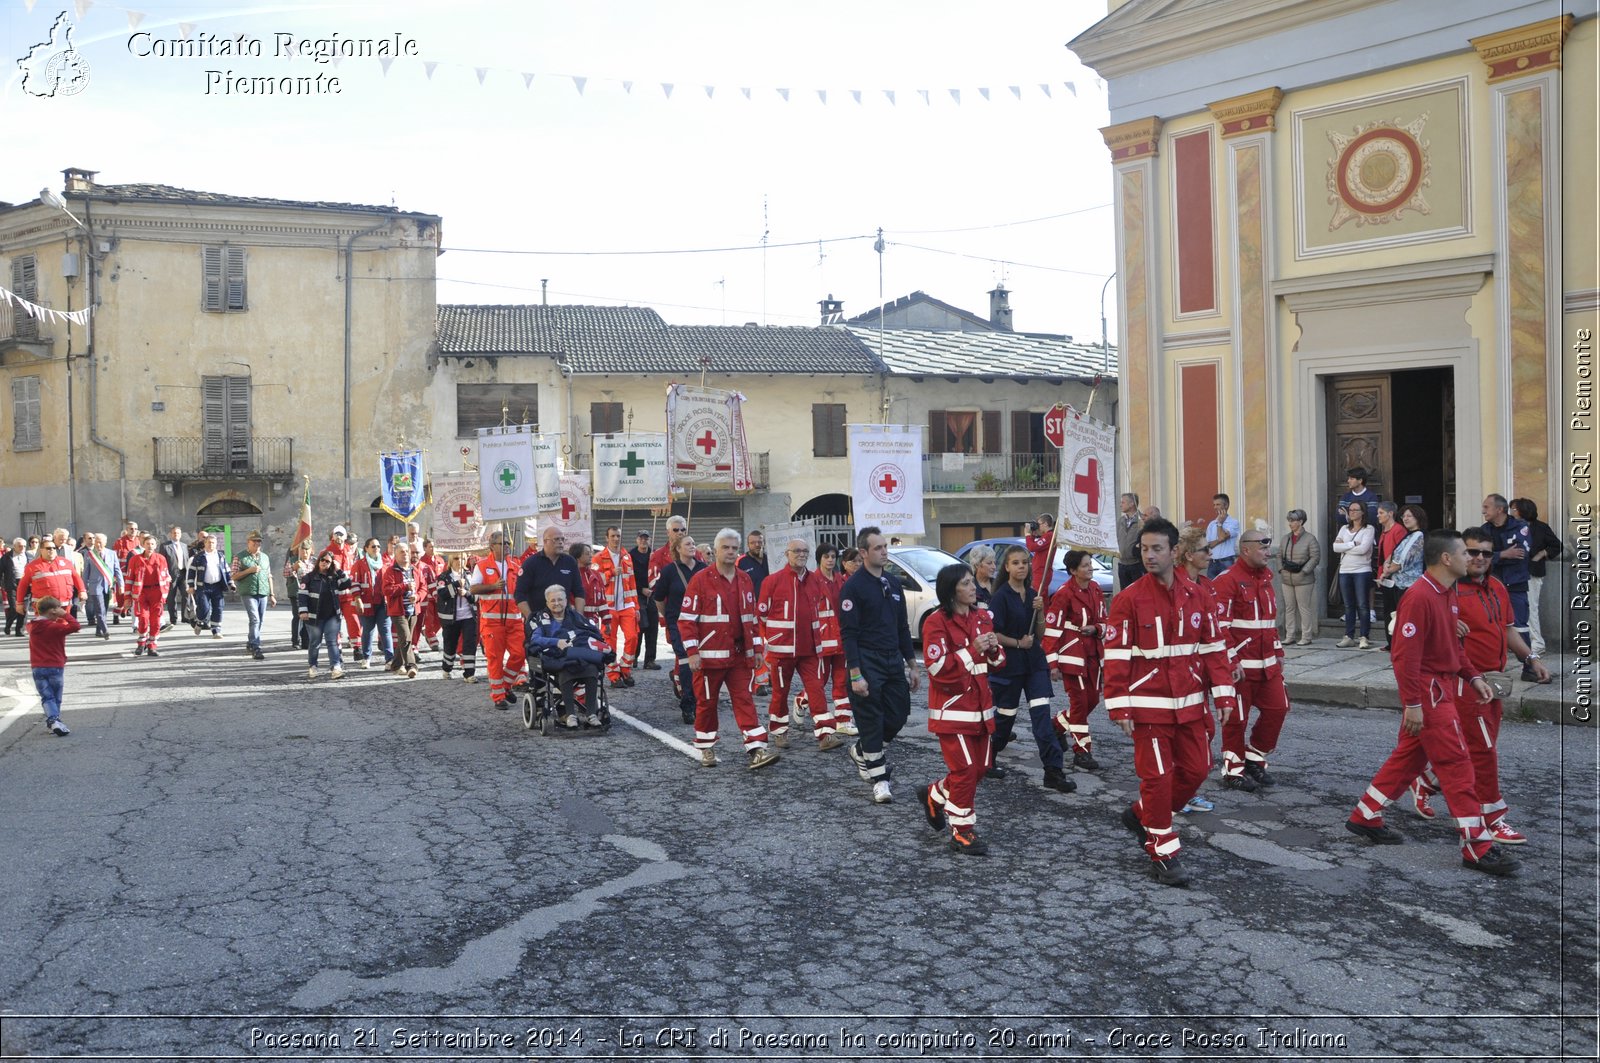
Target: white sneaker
(311, 673)
(571, 723)
(337, 673)
(708, 758)
(1345, 643)
(593, 720)
(848, 730)
(1364, 644)
(881, 794)
(59, 728)
(366, 662)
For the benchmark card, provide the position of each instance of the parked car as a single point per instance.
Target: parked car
(1103, 574)
(917, 569)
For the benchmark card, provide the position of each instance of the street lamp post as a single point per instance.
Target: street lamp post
(1105, 348)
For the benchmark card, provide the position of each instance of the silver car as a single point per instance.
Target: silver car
(917, 569)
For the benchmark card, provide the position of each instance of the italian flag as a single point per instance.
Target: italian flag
(302, 534)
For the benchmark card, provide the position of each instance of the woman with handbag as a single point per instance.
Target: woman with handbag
(1297, 575)
(1354, 545)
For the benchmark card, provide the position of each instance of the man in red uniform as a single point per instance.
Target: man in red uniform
(788, 612)
(124, 546)
(1248, 607)
(1428, 663)
(1041, 544)
(343, 552)
(622, 595)
(49, 575)
(1488, 626)
(148, 582)
(430, 566)
(500, 631)
(718, 627)
(1163, 651)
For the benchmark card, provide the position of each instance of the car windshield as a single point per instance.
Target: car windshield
(925, 563)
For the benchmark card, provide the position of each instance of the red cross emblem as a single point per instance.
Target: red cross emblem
(463, 514)
(707, 442)
(568, 508)
(888, 483)
(1087, 484)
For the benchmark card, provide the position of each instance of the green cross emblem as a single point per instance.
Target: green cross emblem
(632, 464)
(508, 477)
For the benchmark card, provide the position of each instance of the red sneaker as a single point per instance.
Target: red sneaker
(1505, 834)
(1419, 799)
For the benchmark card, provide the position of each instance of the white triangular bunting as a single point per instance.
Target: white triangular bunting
(83, 7)
(984, 93)
(856, 93)
(710, 91)
(785, 94)
(134, 18)
(482, 72)
(889, 93)
(924, 94)
(578, 83)
(822, 94)
(28, 4)
(386, 61)
(186, 30)
(429, 67)
(666, 89)
(955, 94)
(746, 91)
(527, 80)
(1045, 89)
(1072, 88)
(1016, 90)
(627, 88)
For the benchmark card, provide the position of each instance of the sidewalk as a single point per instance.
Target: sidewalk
(1363, 679)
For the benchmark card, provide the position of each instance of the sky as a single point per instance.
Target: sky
(1015, 188)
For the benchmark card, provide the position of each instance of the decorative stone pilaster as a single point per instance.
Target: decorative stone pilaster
(1133, 150)
(1254, 112)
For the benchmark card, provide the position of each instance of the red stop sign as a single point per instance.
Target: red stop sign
(1055, 426)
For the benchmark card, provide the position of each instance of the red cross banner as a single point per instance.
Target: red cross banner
(630, 469)
(1087, 510)
(886, 477)
(457, 524)
(705, 438)
(573, 516)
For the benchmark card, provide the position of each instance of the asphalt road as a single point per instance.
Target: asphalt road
(225, 860)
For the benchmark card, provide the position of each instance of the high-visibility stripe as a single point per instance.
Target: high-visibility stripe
(960, 715)
(933, 669)
(787, 625)
(1038, 702)
(1254, 625)
(1249, 665)
(1160, 767)
(1182, 649)
(965, 752)
(1488, 743)
(716, 655)
(1081, 662)
(1136, 684)
(1147, 702)
(1167, 847)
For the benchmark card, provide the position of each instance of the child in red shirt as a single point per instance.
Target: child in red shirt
(47, 653)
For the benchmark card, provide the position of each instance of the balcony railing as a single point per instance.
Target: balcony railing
(1013, 472)
(186, 458)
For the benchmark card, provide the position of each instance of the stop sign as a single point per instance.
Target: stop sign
(1055, 425)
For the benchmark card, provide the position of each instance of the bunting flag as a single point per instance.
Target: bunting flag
(705, 438)
(302, 531)
(401, 484)
(457, 523)
(44, 313)
(1087, 510)
(630, 469)
(886, 477)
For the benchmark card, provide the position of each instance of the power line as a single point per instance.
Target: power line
(996, 258)
(677, 251)
(1001, 224)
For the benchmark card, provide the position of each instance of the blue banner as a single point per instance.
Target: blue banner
(402, 483)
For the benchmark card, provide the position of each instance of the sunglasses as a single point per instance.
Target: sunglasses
(1480, 553)
(1252, 542)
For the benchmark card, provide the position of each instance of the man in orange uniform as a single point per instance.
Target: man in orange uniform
(499, 623)
(1163, 650)
(622, 594)
(1249, 618)
(788, 631)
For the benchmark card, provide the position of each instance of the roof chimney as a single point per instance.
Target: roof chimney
(1000, 308)
(832, 310)
(76, 180)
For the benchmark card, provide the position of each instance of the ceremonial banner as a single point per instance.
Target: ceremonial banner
(457, 524)
(302, 531)
(1087, 511)
(572, 517)
(401, 481)
(778, 536)
(886, 477)
(630, 469)
(547, 469)
(506, 475)
(705, 438)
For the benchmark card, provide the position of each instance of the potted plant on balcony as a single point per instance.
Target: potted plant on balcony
(1030, 474)
(986, 481)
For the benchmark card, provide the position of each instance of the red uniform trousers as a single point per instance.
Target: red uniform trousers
(740, 679)
(836, 679)
(1172, 760)
(967, 757)
(622, 631)
(1271, 702)
(147, 614)
(502, 642)
(1442, 743)
(1083, 694)
(1480, 727)
(811, 672)
(350, 606)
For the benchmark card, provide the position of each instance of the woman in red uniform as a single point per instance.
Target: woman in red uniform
(958, 646)
(830, 646)
(1073, 625)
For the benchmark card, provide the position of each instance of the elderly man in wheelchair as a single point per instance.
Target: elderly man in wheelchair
(570, 651)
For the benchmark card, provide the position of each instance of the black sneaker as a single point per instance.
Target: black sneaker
(650, 666)
(1130, 820)
(688, 716)
(1056, 779)
(996, 772)
(138, 651)
(1493, 862)
(763, 690)
(967, 841)
(1169, 872)
(627, 681)
(151, 652)
(1258, 773)
(1384, 835)
(1239, 782)
(931, 809)
(258, 655)
(1085, 761)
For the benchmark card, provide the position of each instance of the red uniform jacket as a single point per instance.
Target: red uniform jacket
(392, 583)
(959, 701)
(1072, 609)
(1163, 651)
(1427, 656)
(56, 578)
(660, 558)
(1247, 609)
(47, 642)
(343, 558)
(825, 632)
(123, 547)
(1039, 549)
(596, 603)
(148, 579)
(369, 583)
(788, 613)
(718, 620)
(1486, 608)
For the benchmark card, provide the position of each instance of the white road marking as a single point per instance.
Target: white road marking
(659, 735)
(28, 703)
(1461, 931)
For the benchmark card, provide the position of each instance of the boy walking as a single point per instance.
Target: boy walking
(47, 653)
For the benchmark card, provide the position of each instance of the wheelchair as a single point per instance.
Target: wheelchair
(542, 705)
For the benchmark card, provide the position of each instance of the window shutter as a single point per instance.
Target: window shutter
(1021, 438)
(605, 418)
(937, 436)
(238, 418)
(827, 430)
(25, 282)
(235, 277)
(213, 418)
(25, 432)
(211, 272)
(991, 431)
(840, 446)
